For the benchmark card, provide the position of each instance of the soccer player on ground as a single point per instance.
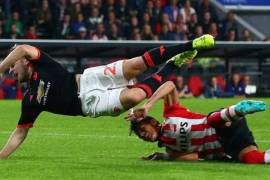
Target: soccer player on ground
(187, 135)
(102, 90)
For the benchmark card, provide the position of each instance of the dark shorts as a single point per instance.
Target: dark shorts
(235, 138)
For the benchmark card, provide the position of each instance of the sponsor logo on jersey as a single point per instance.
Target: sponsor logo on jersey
(183, 136)
(46, 93)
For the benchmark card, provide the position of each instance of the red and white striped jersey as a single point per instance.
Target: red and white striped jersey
(185, 131)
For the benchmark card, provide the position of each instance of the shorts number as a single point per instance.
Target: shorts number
(110, 70)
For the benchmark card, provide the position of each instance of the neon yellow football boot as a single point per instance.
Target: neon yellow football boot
(204, 42)
(183, 57)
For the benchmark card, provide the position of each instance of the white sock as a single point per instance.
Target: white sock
(232, 111)
(224, 114)
(267, 157)
(229, 114)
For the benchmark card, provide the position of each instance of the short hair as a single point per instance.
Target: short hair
(135, 124)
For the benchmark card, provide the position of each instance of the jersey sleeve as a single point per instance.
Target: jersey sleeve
(29, 113)
(172, 110)
(36, 59)
(176, 110)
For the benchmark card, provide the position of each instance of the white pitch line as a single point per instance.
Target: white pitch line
(263, 141)
(93, 136)
(262, 130)
(70, 135)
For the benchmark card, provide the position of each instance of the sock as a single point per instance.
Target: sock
(167, 70)
(214, 119)
(160, 55)
(255, 157)
(150, 85)
(267, 157)
(229, 114)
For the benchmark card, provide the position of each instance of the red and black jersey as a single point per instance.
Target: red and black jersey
(51, 88)
(188, 132)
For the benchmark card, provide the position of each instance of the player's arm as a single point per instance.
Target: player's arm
(14, 141)
(180, 156)
(29, 113)
(173, 156)
(167, 91)
(20, 52)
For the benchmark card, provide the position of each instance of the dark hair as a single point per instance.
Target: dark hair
(135, 124)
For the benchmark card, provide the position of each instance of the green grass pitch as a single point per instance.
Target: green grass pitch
(62, 147)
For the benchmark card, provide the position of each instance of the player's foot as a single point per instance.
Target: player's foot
(183, 57)
(249, 106)
(204, 42)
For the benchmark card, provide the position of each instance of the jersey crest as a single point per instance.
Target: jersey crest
(40, 91)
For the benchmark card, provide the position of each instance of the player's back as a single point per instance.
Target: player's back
(185, 131)
(52, 88)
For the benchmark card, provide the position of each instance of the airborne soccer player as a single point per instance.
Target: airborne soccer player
(186, 135)
(99, 91)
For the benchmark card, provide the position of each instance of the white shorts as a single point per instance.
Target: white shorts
(100, 89)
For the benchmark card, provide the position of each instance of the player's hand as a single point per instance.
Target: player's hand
(141, 112)
(130, 116)
(154, 156)
(138, 113)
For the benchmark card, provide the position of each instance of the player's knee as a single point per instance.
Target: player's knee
(253, 157)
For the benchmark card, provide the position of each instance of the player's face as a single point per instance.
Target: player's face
(20, 71)
(148, 132)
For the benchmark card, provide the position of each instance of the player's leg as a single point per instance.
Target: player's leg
(136, 66)
(239, 143)
(131, 97)
(119, 100)
(235, 112)
(251, 155)
(153, 82)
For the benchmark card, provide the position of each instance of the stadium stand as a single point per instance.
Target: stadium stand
(120, 20)
(63, 19)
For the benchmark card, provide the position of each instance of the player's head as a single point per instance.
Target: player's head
(147, 129)
(20, 69)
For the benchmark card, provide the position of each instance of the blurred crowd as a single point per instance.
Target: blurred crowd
(216, 86)
(116, 20)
